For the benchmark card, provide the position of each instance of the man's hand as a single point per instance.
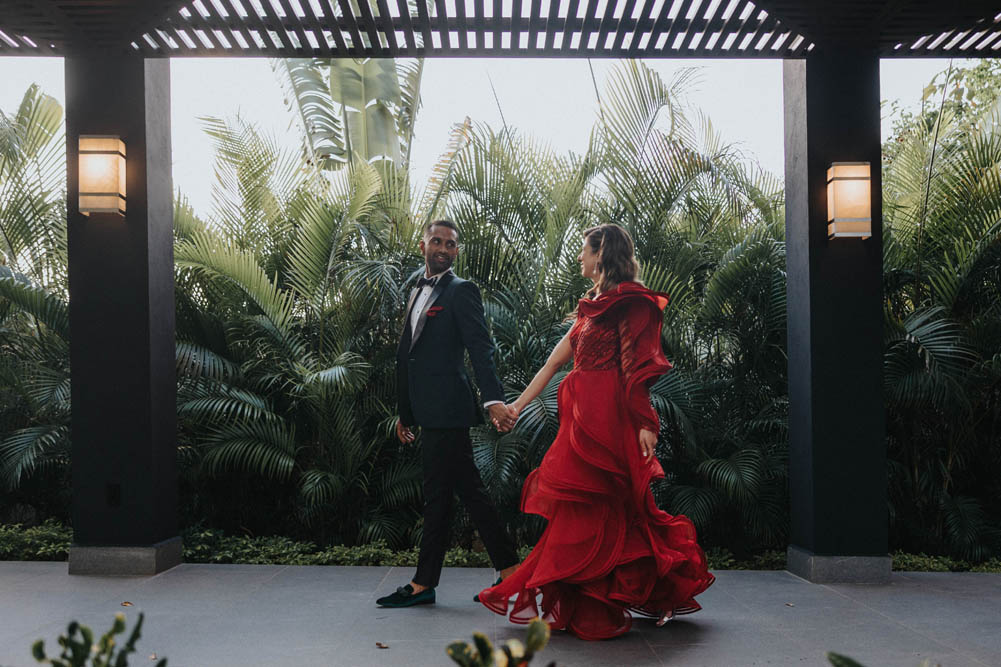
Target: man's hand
(648, 442)
(502, 417)
(403, 433)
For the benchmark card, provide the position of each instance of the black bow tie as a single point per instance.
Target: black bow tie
(427, 281)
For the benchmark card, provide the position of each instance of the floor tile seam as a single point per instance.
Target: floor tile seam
(660, 661)
(264, 582)
(786, 632)
(903, 625)
(918, 583)
(736, 601)
(251, 589)
(926, 582)
(180, 567)
(384, 577)
(158, 575)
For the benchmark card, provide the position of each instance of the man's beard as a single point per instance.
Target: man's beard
(439, 265)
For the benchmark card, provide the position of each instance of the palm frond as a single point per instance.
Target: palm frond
(26, 450)
(218, 260)
(307, 94)
(347, 372)
(45, 307)
(265, 447)
(739, 476)
(195, 361)
(213, 402)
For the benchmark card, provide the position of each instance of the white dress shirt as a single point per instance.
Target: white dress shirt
(420, 301)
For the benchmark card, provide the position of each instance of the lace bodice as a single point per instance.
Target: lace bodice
(595, 343)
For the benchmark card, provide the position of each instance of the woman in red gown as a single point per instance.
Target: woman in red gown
(607, 549)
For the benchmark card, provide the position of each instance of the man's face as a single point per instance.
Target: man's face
(440, 247)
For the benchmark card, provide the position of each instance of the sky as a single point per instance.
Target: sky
(552, 100)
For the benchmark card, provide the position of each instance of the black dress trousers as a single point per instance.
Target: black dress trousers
(449, 469)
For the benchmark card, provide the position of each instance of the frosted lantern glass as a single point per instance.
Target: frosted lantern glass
(102, 175)
(849, 200)
(848, 170)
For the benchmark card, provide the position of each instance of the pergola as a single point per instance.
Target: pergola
(121, 277)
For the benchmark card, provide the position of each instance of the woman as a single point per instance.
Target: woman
(607, 549)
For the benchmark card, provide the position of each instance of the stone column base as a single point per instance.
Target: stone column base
(838, 569)
(137, 561)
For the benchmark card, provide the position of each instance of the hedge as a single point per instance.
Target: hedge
(50, 541)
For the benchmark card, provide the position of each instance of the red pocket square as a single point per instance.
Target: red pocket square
(435, 309)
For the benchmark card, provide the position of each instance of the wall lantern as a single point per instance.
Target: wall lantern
(102, 174)
(849, 200)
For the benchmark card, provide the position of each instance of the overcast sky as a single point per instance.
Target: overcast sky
(553, 100)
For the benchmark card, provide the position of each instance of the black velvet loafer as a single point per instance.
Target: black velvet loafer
(405, 597)
(476, 598)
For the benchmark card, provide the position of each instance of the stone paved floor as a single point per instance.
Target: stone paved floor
(277, 616)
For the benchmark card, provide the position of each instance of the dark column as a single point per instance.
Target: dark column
(121, 281)
(837, 457)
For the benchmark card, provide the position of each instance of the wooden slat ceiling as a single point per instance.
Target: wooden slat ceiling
(499, 28)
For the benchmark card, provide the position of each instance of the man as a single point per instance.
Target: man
(444, 319)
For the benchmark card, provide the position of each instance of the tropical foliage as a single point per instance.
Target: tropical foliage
(290, 291)
(34, 319)
(942, 268)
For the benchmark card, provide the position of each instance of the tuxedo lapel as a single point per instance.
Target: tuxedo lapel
(435, 293)
(407, 332)
(410, 304)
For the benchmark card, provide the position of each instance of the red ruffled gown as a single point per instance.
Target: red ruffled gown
(607, 549)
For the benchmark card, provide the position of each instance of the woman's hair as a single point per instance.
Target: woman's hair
(616, 260)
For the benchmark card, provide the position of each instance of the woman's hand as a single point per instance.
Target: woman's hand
(502, 417)
(648, 442)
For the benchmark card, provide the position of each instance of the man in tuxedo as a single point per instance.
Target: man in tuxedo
(444, 320)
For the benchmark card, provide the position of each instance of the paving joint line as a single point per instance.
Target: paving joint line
(903, 625)
(384, 577)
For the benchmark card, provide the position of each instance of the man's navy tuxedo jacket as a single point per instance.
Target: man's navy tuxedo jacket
(434, 390)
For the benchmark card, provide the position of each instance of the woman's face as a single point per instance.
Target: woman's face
(588, 262)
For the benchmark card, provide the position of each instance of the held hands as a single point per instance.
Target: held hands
(503, 416)
(403, 433)
(648, 442)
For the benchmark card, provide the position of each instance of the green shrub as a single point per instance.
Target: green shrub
(368, 554)
(213, 546)
(904, 562)
(49, 541)
(767, 560)
(924, 563)
(466, 558)
(719, 558)
(993, 565)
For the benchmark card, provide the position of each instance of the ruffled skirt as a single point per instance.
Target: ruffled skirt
(607, 551)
